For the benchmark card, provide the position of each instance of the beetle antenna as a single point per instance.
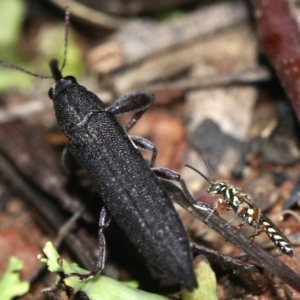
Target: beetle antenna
(66, 40)
(66, 37)
(14, 67)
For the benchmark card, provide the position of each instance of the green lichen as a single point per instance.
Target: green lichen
(97, 288)
(10, 284)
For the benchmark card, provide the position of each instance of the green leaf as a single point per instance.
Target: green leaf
(10, 285)
(97, 288)
(207, 283)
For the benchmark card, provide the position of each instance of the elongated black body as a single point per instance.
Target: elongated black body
(129, 188)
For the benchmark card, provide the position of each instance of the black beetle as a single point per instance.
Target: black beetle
(128, 186)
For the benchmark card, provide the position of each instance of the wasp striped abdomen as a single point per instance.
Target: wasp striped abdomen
(276, 236)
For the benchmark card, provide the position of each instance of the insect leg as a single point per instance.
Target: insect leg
(168, 174)
(255, 219)
(104, 221)
(137, 102)
(144, 144)
(69, 163)
(250, 215)
(232, 219)
(256, 233)
(241, 225)
(218, 203)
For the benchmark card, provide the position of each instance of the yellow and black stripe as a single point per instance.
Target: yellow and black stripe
(242, 205)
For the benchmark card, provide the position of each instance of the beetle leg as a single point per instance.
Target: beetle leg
(137, 102)
(143, 144)
(104, 221)
(69, 163)
(168, 174)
